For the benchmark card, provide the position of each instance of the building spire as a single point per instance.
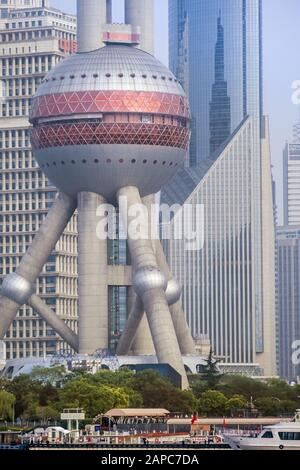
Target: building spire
(220, 107)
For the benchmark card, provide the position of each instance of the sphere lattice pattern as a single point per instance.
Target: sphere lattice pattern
(110, 118)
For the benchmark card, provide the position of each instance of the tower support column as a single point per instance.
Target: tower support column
(92, 277)
(184, 336)
(91, 18)
(140, 13)
(150, 284)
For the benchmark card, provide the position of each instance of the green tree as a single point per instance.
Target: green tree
(213, 403)
(93, 399)
(197, 385)
(210, 372)
(158, 392)
(268, 406)
(232, 385)
(281, 389)
(4, 383)
(236, 403)
(287, 406)
(26, 392)
(7, 401)
(49, 375)
(48, 396)
(123, 378)
(46, 414)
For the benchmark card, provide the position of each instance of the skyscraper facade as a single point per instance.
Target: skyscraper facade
(291, 179)
(33, 39)
(218, 277)
(288, 300)
(214, 45)
(216, 51)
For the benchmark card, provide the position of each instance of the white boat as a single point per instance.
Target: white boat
(281, 436)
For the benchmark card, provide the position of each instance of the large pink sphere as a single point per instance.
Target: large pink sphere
(110, 118)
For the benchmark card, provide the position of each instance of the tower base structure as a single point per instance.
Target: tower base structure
(155, 306)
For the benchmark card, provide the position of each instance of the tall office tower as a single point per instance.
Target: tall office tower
(288, 300)
(291, 179)
(217, 273)
(214, 44)
(33, 38)
(216, 50)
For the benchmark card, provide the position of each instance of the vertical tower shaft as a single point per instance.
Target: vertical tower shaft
(148, 283)
(109, 11)
(92, 277)
(141, 13)
(91, 18)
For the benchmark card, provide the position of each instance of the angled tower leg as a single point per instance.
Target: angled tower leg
(150, 284)
(186, 343)
(137, 321)
(18, 287)
(142, 343)
(92, 277)
(136, 337)
(185, 340)
(58, 325)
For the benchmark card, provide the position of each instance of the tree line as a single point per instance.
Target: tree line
(43, 394)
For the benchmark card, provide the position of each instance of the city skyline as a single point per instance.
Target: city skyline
(281, 68)
(149, 282)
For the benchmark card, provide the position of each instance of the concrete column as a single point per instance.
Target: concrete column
(141, 13)
(91, 18)
(92, 277)
(54, 321)
(136, 336)
(142, 344)
(18, 287)
(109, 11)
(149, 283)
(185, 340)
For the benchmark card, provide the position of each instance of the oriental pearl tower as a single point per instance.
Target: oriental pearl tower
(108, 123)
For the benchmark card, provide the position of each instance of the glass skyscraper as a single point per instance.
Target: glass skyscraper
(218, 278)
(288, 300)
(291, 179)
(216, 52)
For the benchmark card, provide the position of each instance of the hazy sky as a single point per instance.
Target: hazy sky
(281, 65)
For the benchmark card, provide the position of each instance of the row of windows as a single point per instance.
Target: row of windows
(41, 12)
(20, 87)
(22, 186)
(26, 24)
(20, 107)
(26, 176)
(284, 436)
(25, 206)
(37, 34)
(27, 196)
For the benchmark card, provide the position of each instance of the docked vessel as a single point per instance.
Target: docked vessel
(281, 436)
